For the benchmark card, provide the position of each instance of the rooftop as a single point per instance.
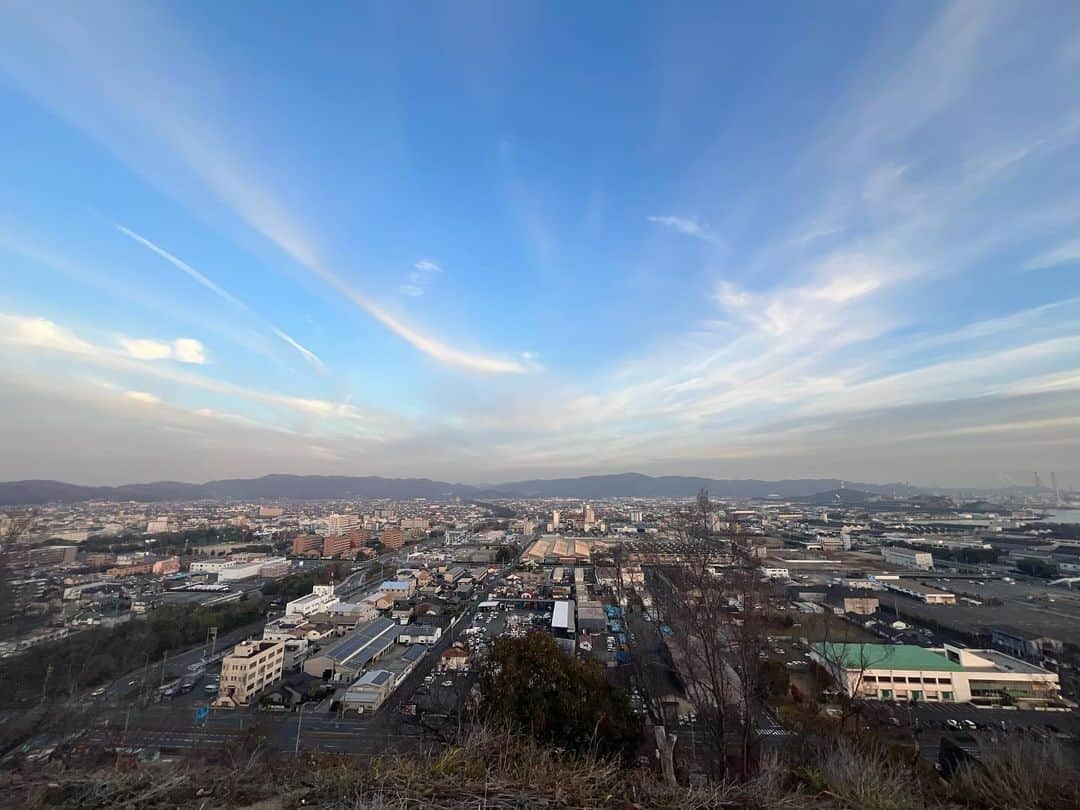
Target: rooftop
(886, 656)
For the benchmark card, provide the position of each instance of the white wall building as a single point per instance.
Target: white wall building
(248, 669)
(321, 599)
(908, 558)
(946, 675)
(338, 524)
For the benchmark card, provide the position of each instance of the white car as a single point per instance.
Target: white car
(447, 683)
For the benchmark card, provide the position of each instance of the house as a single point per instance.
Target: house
(454, 658)
(402, 611)
(419, 634)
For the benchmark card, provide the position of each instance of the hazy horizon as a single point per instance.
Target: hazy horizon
(493, 242)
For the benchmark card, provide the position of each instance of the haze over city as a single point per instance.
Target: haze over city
(483, 242)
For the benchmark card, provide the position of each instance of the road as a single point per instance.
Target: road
(143, 683)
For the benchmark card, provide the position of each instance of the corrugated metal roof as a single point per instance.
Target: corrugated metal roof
(351, 649)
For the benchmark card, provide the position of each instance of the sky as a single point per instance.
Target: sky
(488, 241)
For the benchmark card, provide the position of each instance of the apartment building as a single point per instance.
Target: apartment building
(307, 545)
(248, 669)
(392, 537)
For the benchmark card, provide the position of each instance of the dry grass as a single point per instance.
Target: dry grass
(495, 770)
(1024, 773)
(869, 779)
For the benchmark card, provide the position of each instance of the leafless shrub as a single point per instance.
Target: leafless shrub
(1023, 772)
(866, 778)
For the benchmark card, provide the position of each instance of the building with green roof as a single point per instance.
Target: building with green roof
(951, 674)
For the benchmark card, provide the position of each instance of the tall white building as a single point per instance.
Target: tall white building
(339, 524)
(590, 516)
(248, 669)
(555, 518)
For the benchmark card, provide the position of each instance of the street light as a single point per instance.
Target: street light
(299, 722)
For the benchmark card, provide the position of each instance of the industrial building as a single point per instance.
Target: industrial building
(908, 558)
(924, 593)
(346, 658)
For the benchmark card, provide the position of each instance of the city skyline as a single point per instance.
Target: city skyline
(486, 243)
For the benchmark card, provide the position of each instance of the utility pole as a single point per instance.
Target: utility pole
(45, 687)
(299, 723)
(164, 658)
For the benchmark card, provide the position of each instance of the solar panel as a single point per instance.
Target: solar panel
(351, 645)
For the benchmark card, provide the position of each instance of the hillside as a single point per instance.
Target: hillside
(333, 487)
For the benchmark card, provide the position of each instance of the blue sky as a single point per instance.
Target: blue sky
(488, 241)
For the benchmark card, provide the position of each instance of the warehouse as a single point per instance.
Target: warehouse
(343, 660)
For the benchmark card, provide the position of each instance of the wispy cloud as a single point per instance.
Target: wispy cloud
(41, 333)
(306, 353)
(184, 350)
(1068, 253)
(689, 226)
(427, 266)
(128, 83)
(142, 397)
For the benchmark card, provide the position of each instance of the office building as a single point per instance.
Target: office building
(248, 669)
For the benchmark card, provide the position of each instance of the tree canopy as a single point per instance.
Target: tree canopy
(540, 690)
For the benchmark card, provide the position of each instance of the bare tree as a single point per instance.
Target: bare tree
(18, 524)
(845, 662)
(690, 598)
(665, 739)
(747, 633)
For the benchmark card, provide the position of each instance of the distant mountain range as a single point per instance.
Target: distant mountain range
(342, 487)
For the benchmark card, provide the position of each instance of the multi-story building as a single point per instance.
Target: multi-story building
(908, 558)
(947, 675)
(321, 599)
(358, 537)
(237, 570)
(51, 555)
(335, 545)
(339, 524)
(307, 545)
(392, 537)
(248, 669)
(166, 566)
